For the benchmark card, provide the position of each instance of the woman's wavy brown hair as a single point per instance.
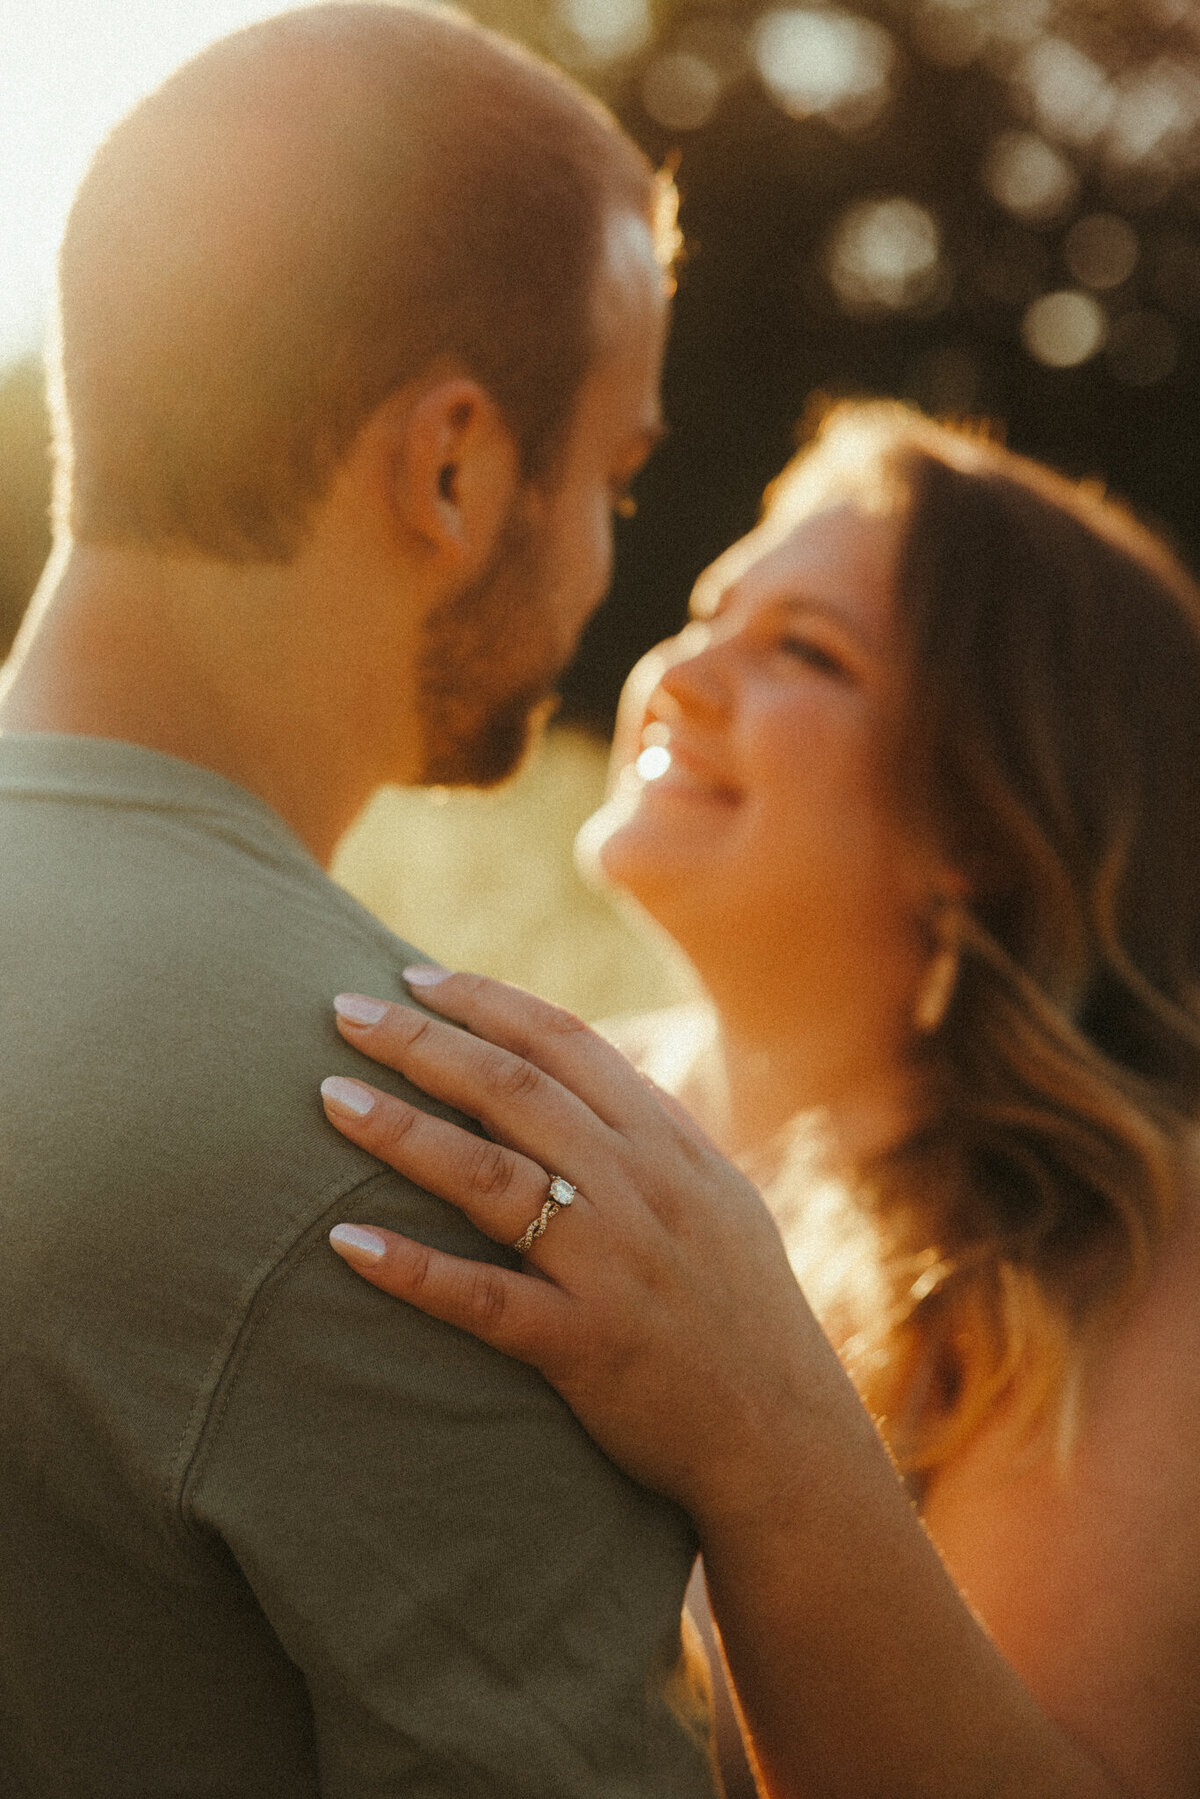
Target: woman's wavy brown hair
(1051, 744)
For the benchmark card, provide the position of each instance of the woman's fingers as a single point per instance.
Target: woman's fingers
(510, 1097)
(517, 1313)
(499, 1190)
(529, 1072)
(667, 1314)
(544, 1035)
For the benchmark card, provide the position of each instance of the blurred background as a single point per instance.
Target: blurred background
(991, 207)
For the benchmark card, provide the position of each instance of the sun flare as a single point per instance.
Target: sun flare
(70, 70)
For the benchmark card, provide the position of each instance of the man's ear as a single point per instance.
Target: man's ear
(455, 471)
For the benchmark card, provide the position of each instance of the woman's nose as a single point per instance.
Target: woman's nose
(695, 677)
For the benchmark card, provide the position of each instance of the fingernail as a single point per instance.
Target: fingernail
(356, 1008)
(347, 1096)
(357, 1243)
(425, 974)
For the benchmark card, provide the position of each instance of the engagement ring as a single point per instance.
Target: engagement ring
(561, 1194)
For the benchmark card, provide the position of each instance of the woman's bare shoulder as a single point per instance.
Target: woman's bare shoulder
(664, 1045)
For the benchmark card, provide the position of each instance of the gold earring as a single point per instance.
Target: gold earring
(940, 978)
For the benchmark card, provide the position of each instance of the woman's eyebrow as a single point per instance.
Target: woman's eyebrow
(866, 653)
(700, 608)
(799, 602)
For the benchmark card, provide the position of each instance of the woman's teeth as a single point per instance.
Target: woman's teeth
(653, 762)
(675, 774)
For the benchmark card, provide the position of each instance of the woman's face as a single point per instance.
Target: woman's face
(759, 824)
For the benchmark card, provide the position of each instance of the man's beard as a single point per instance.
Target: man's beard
(487, 667)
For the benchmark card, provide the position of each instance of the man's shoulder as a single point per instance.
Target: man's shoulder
(168, 964)
(169, 956)
(116, 832)
(394, 1491)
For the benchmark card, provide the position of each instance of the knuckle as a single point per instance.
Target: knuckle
(420, 1267)
(512, 1078)
(415, 1025)
(544, 1020)
(489, 1169)
(471, 986)
(558, 1022)
(394, 1127)
(485, 1295)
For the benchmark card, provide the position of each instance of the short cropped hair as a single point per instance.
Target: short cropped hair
(300, 220)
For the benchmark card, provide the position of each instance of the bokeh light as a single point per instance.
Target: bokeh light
(680, 90)
(1071, 95)
(829, 62)
(885, 255)
(1101, 250)
(605, 29)
(1064, 329)
(1156, 111)
(1029, 177)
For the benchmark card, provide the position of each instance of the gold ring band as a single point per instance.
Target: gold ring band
(561, 1194)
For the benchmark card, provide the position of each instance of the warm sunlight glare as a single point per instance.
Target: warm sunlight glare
(68, 70)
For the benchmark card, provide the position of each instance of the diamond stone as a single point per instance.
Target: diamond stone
(561, 1192)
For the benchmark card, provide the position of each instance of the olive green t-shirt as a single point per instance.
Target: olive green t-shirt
(264, 1531)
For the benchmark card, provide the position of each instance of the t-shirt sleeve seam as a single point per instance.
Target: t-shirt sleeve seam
(255, 1302)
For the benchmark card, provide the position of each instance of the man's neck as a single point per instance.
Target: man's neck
(209, 662)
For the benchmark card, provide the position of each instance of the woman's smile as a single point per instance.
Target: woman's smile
(757, 797)
(669, 770)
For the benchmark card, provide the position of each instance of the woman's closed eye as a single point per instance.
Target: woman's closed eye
(819, 656)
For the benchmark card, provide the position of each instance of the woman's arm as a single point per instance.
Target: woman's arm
(661, 1305)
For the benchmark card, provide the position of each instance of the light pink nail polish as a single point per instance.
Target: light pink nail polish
(425, 974)
(356, 1008)
(357, 1242)
(347, 1096)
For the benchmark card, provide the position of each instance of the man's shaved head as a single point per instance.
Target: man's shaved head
(298, 222)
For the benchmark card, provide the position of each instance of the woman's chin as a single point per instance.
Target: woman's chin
(620, 847)
(595, 835)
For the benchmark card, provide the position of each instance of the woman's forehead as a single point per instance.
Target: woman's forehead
(838, 555)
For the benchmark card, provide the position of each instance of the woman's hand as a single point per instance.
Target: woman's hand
(660, 1303)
